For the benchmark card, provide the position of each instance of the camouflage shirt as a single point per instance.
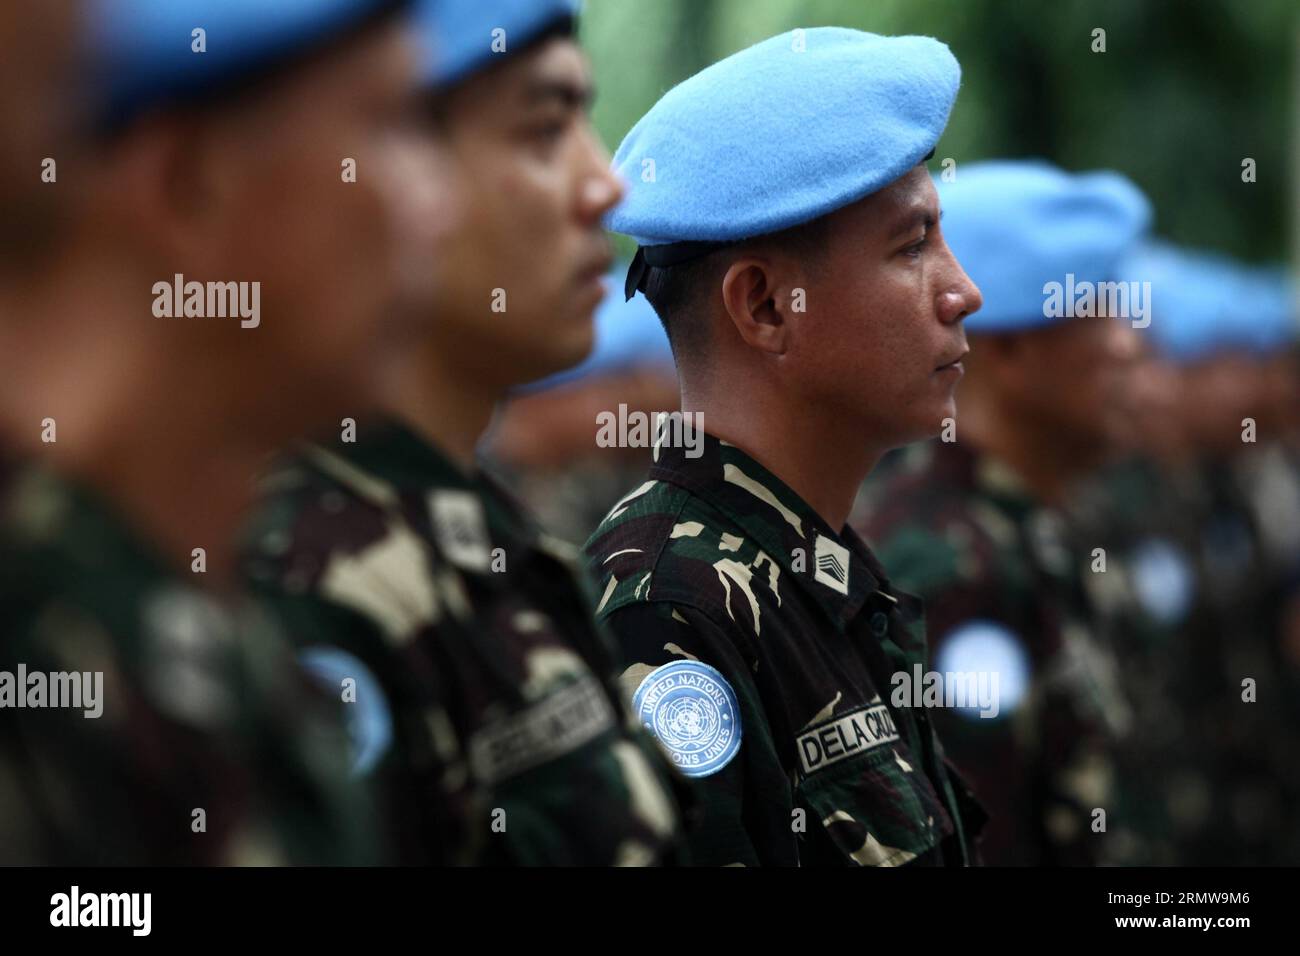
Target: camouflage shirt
(1198, 558)
(209, 747)
(485, 702)
(760, 648)
(1003, 584)
(1144, 518)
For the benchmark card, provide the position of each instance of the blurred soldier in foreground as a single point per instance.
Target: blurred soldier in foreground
(36, 102)
(815, 317)
(973, 523)
(485, 702)
(37, 112)
(149, 715)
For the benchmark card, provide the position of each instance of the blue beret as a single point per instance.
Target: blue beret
(144, 57)
(1017, 225)
(461, 32)
(788, 130)
(1204, 304)
(628, 335)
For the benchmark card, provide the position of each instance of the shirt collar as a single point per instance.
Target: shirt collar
(837, 570)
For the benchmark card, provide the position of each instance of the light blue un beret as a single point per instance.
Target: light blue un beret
(143, 50)
(781, 133)
(464, 32)
(1017, 225)
(1204, 304)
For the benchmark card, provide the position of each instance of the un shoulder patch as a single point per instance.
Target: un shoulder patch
(368, 715)
(692, 711)
(1163, 580)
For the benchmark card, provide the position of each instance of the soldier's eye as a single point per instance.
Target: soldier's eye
(551, 131)
(916, 248)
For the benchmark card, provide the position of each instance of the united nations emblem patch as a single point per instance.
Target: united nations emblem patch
(692, 711)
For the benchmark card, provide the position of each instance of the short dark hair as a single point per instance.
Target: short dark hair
(674, 292)
(677, 292)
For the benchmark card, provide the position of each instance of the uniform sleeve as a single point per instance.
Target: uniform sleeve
(743, 812)
(314, 624)
(392, 700)
(184, 753)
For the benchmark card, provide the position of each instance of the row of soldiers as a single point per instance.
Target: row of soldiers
(1131, 573)
(375, 654)
(1118, 519)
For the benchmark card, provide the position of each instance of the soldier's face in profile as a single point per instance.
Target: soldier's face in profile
(1219, 392)
(1280, 383)
(1154, 393)
(329, 189)
(524, 275)
(1076, 376)
(882, 336)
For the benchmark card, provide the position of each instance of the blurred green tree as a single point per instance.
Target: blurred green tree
(1185, 90)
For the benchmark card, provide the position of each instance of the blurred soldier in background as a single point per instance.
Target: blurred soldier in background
(145, 376)
(1202, 532)
(485, 703)
(815, 317)
(974, 523)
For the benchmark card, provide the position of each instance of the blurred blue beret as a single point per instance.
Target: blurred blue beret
(788, 130)
(628, 335)
(143, 55)
(1017, 225)
(461, 32)
(1204, 304)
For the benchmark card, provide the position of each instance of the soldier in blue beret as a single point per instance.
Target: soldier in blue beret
(223, 283)
(1223, 337)
(978, 523)
(790, 243)
(501, 737)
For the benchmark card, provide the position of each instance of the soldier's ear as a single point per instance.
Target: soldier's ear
(750, 299)
(155, 184)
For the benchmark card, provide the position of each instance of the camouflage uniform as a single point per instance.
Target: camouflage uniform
(962, 531)
(1196, 574)
(715, 560)
(480, 643)
(1270, 479)
(1251, 745)
(1153, 599)
(203, 708)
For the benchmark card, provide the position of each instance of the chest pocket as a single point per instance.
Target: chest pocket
(866, 792)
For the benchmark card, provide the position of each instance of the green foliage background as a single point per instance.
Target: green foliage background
(1185, 90)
